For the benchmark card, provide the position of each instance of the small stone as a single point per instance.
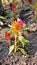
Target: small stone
(33, 27)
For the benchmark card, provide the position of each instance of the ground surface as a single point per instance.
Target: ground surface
(18, 58)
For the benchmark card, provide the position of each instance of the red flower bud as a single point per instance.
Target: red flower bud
(12, 6)
(29, 1)
(7, 35)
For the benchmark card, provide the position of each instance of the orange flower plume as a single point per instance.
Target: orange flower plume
(35, 6)
(16, 25)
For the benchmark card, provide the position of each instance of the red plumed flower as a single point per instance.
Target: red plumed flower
(12, 6)
(29, 1)
(7, 35)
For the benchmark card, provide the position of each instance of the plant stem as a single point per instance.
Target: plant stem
(15, 44)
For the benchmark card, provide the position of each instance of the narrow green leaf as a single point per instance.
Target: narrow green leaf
(32, 5)
(22, 50)
(6, 29)
(25, 28)
(11, 49)
(10, 31)
(26, 41)
(22, 40)
(1, 17)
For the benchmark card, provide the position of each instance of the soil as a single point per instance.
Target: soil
(19, 59)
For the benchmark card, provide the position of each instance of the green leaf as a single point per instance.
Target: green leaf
(1, 17)
(32, 5)
(25, 28)
(7, 30)
(22, 50)
(11, 49)
(10, 31)
(22, 40)
(8, 0)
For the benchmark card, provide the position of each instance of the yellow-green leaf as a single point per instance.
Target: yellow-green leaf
(22, 50)
(25, 28)
(1, 17)
(6, 29)
(22, 40)
(11, 48)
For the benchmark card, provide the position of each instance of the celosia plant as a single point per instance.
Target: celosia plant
(33, 7)
(30, 1)
(35, 11)
(14, 7)
(16, 27)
